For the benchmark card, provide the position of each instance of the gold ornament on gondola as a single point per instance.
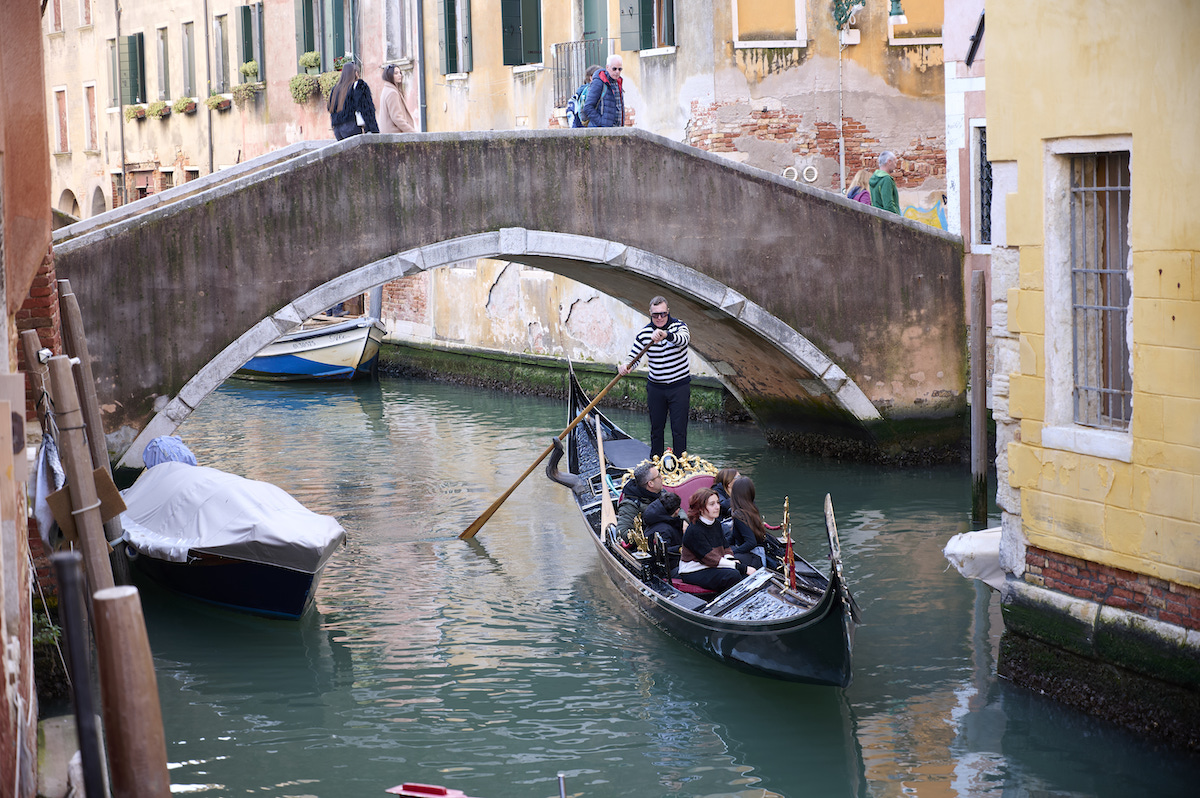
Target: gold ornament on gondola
(676, 469)
(637, 536)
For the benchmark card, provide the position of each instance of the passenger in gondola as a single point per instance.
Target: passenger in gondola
(749, 540)
(704, 559)
(636, 496)
(661, 520)
(721, 485)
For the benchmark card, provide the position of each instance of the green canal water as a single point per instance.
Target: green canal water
(493, 665)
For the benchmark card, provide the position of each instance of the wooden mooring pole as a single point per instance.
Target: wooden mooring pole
(979, 437)
(137, 747)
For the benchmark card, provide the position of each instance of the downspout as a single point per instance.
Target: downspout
(208, 81)
(421, 63)
(120, 108)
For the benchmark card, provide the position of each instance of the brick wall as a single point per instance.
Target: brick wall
(40, 312)
(406, 299)
(1145, 595)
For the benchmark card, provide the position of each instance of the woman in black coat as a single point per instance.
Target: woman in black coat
(704, 559)
(351, 109)
(661, 519)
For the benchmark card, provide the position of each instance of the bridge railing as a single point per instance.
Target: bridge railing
(571, 60)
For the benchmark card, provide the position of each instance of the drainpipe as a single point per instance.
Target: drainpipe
(120, 108)
(208, 81)
(421, 63)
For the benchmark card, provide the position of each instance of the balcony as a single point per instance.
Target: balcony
(571, 60)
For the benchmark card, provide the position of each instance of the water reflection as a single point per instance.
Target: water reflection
(494, 664)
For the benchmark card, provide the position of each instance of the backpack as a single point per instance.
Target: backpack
(575, 107)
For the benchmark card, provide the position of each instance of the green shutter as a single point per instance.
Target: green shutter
(631, 36)
(133, 69)
(531, 31)
(464, 56)
(510, 32)
(338, 32)
(647, 25)
(446, 49)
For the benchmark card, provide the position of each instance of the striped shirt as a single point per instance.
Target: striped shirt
(668, 357)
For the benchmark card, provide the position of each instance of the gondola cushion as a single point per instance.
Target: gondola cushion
(685, 489)
(685, 587)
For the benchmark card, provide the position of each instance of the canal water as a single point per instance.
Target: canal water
(493, 665)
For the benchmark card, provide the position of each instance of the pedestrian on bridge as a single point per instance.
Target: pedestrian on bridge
(605, 103)
(395, 108)
(351, 109)
(883, 185)
(669, 385)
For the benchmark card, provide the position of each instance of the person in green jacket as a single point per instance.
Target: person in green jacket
(883, 187)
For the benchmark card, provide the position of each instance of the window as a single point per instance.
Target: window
(89, 117)
(521, 31)
(306, 27)
(167, 178)
(647, 24)
(1100, 290)
(770, 23)
(164, 76)
(924, 25)
(85, 12)
(342, 31)
(454, 36)
(56, 25)
(188, 44)
(982, 179)
(251, 39)
(398, 31)
(127, 71)
(61, 143)
(191, 173)
(220, 54)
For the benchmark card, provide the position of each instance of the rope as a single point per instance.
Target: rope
(83, 510)
(46, 609)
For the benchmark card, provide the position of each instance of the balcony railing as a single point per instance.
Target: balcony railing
(571, 60)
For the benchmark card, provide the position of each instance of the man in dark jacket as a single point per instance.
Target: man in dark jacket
(605, 104)
(883, 187)
(636, 496)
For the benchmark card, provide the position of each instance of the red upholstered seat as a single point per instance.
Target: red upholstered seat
(684, 587)
(685, 489)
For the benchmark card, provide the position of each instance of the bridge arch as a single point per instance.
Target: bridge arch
(561, 253)
(805, 302)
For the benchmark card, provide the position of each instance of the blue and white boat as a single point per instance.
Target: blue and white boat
(322, 348)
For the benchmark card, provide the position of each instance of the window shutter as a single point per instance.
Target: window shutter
(531, 31)
(647, 25)
(133, 76)
(445, 22)
(631, 31)
(510, 31)
(464, 55)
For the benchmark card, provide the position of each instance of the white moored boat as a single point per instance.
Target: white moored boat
(323, 348)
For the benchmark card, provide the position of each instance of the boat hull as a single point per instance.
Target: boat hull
(761, 625)
(235, 584)
(340, 351)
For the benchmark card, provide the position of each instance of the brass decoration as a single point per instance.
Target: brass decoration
(637, 536)
(677, 469)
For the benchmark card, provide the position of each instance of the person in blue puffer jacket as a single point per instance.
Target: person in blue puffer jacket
(605, 104)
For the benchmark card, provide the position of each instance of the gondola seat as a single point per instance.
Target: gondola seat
(687, 587)
(685, 489)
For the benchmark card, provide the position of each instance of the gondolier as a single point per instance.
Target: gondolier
(669, 385)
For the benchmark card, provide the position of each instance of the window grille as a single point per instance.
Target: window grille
(1100, 289)
(571, 60)
(985, 190)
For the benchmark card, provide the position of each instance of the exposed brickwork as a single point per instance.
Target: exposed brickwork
(43, 574)
(407, 299)
(40, 312)
(1146, 595)
(922, 159)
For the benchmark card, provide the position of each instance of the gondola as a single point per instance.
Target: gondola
(762, 625)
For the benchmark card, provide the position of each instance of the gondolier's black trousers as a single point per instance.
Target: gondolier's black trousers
(674, 399)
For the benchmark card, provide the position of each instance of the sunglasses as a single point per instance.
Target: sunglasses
(658, 315)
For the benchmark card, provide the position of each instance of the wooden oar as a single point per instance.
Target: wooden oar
(608, 516)
(478, 523)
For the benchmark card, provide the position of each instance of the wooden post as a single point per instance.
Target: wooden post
(85, 506)
(137, 748)
(73, 612)
(75, 342)
(36, 369)
(979, 438)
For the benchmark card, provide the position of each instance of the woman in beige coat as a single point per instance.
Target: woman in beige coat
(395, 112)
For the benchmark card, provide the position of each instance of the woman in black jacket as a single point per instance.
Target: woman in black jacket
(749, 539)
(351, 109)
(704, 559)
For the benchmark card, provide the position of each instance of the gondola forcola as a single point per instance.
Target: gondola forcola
(763, 625)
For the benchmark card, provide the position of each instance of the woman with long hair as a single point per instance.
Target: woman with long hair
(395, 111)
(704, 559)
(721, 484)
(749, 539)
(351, 109)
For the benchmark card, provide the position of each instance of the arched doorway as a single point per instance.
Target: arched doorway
(98, 204)
(68, 204)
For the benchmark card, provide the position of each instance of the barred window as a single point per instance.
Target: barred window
(985, 191)
(1100, 289)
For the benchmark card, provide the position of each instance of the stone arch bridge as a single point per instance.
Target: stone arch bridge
(828, 319)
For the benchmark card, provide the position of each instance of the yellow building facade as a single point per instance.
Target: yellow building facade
(1092, 124)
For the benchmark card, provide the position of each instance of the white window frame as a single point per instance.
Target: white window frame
(162, 55)
(1060, 430)
(801, 39)
(61, 133)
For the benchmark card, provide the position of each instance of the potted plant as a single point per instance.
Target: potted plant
(185, 105)
(327, 81)
(159, 109)
(244, 93)
(217, 102)
(303, 87)
(249, 71)
(133, 112)
(310, 62)
(341, 61)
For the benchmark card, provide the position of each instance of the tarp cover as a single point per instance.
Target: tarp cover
(175, 508)
(976, 555)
